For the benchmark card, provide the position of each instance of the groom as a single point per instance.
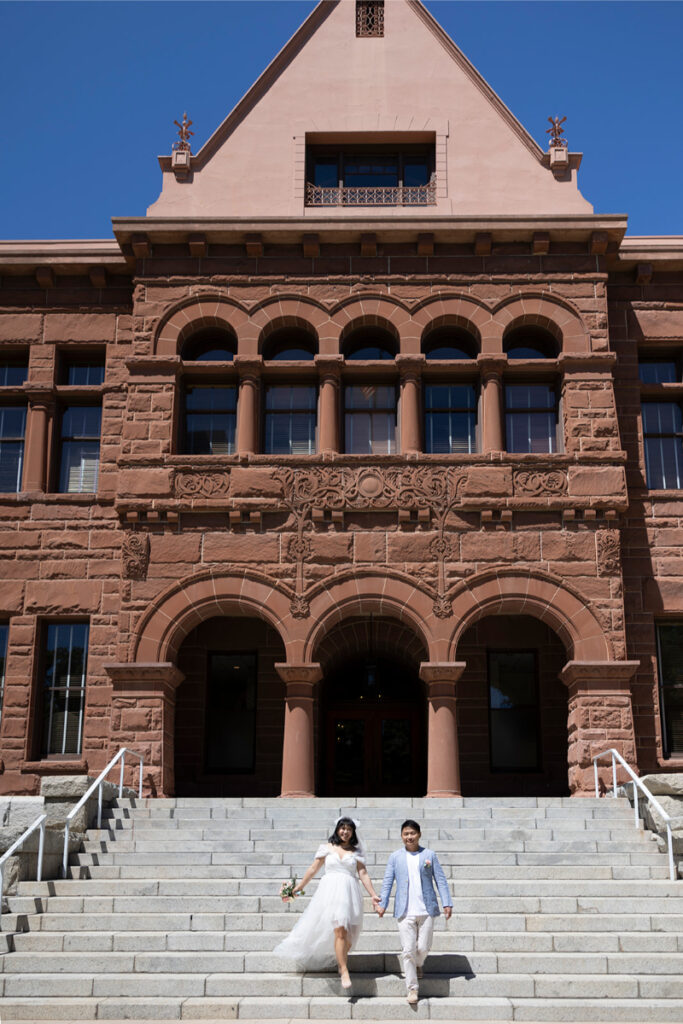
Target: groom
(415, 869)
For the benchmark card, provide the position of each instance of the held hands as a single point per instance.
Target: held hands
(376, 905)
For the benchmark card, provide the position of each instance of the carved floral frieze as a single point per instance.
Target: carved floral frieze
(539, 483)
(202, 485)
(609, 552)
(135, 556)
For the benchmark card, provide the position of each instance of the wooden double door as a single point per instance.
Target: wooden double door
(374, 730)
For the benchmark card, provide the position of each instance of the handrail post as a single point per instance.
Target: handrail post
(595, 772)
(41, 851)
(140, 785)
(65, 855)
(636, 816)
(123, 761)
(99, 805)
(614, 776)
(2, 886)
(670, 844)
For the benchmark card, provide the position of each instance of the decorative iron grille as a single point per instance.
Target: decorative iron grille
(369, 17)
(372, 195)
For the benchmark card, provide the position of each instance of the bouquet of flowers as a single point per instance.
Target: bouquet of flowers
(287, 893)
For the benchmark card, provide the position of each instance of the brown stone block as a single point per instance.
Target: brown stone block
(101, 539)
(15, 539)
(20, 326)
(500, 547)
(596, 481)
(329, 548)
(370, 547)
(66, 568)
(63, 597)
(20, 569)
(250, 547)
(11, 596)
(488, 481)
(656, 323)
(80, 326)
(410, 547)
(61, 539)
(175, 547)
(144, 481)
(669, 567)
(252, 482)
(668, 538)
(570, 546)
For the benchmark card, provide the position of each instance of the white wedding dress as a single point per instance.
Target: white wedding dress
(336, 903)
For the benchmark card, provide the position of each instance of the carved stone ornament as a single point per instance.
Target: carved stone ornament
(135, 556)
(609, 552)
(433, 488)
(300, 607)
(202, 485)
(533, 482)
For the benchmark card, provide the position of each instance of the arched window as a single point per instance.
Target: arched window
(370, 343)
(450, 343)
(290, 343)
(210, 345)
(530, 343)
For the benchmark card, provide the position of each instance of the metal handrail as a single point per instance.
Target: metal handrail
(97, 784)
(38, 823)
(637, 784)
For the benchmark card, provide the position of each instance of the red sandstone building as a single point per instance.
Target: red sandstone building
(354, 467)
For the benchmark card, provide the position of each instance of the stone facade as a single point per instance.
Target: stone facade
(566, 553)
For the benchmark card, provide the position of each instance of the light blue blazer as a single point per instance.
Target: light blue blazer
(397, 870)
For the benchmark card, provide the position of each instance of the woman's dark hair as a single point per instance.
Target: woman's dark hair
(334, 838)
(411, 823)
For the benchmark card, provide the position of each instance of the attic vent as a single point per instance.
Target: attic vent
(369, 17)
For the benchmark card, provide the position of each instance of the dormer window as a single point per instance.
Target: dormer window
(379, 175)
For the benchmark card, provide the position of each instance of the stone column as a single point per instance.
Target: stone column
(249, 370)
(493, 433)
(143, 719)
(329, 371)
(443, 761)
(600, 717)
(40, 410)
(410, 368)
(298, 762)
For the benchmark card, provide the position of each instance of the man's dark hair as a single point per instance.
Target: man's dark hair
(411, 823)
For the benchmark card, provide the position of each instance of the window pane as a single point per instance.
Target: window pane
(370, 170)
(3, 661)
(210, 420)
(81, 421)
(80, 467)
(290, 433)
(450, 396)
(231, 713)
(662, 418)
(80, 374)
(530, 432)
(12, 428)
(415, 172)
(370, 396)
(513, 710)
(288, 397)
(658, 371)
(13, 373)
(529, 396)
(670, 649)
(448, 352)
(664, 462)
(325, 172)
(66, 650)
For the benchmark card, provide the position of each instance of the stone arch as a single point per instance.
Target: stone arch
(508, 591)
(196, 312)
(204, 595)
(288, 311)
(548, 311)
(375, 311)
(454, 311)
(352, 594)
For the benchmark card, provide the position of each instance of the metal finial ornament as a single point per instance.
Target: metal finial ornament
(556, 132)
(184, 134)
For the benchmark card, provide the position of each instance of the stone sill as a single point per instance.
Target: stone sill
(55, 767)
(51, 498)
(543, 460)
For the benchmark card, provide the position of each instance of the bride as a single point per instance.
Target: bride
(332, 922)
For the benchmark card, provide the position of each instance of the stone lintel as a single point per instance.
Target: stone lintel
(157, 365)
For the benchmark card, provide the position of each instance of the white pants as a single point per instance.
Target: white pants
(416, 940)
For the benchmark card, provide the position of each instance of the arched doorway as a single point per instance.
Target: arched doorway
(229, 710)
(512, 709)
(372, 710)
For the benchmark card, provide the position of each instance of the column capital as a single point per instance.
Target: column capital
(249, 368)
(293, 672)
(599, 676)
(410, 366)
(141, 677)
(329, 367)
(441, 671)
(40, 396)
(492, 366)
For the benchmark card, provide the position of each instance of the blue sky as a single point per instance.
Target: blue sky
(90, 91)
